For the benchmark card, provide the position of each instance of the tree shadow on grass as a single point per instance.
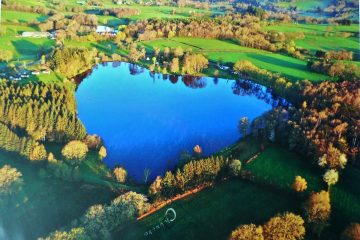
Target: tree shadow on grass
(25, 47)
(276, 61)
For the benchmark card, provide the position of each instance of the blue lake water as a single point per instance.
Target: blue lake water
(147, 120)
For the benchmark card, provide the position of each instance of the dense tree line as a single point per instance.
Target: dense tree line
(194, 174)
(120, 12)
(325, 127)
(25, 146)
(337, 69)
(40, 111)
(245, 29)
(71, 61)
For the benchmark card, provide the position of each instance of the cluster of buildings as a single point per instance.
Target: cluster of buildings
(22, 74)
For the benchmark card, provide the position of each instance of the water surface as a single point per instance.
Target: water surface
(147, 121)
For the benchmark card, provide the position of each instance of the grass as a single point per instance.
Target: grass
(230, 52)
(278, 167)
(164, 12)
(22, 17)
(23, 48)
(215, 212)
(322, 36)
(44, 205)
(305, 5)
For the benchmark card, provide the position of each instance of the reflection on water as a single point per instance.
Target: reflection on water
(147, 120)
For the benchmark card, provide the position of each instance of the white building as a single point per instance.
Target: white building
(103, 30)
(36, 34)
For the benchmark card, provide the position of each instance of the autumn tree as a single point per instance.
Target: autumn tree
(38, 153)
(352, 232)
(300, 184)
(120, 174)
(194, 63)
(174, 65)
(333, 158)
(10, 180)
(73, 234)
(5, 55)
(102, 152)
(331, 177)
(235, 167)
(287, 226)
(155, 187)
(75, 150)
(247, 232)
(317, 210)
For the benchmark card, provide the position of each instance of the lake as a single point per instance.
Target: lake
(147, 120)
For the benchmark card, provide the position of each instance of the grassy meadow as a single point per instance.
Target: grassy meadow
(215, 212)
(305, 5)
(230, 52)
(322, 36)
(23, 48)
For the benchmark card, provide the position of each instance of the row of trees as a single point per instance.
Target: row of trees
(100, 220)
(192, 175)
(40, 111)
(246, 29)
(121, 12)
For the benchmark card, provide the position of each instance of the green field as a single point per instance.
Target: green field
(305, 5)
(23, 48)
(215, 212)
(322, 36)
(278, 167)
(230, 52)
(22, 17)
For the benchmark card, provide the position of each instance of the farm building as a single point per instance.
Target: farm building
(36, 34)
(104, 30)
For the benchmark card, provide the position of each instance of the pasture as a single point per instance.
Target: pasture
(215, 212)
(23, 48)
(230, 52)
(322, 36)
